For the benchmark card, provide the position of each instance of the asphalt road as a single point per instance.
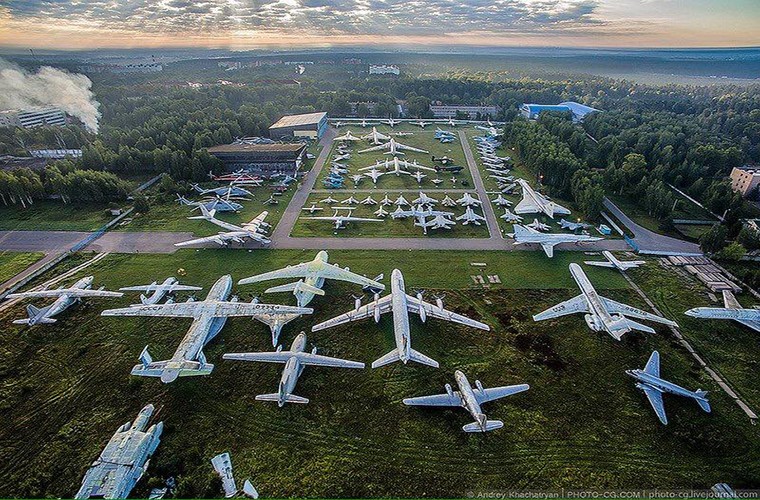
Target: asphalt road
(491, 220)
(40, 241)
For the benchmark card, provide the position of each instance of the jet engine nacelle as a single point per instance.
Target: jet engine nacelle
(593, 323)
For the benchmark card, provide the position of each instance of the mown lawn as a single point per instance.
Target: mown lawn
(53, 216)
(12, 263)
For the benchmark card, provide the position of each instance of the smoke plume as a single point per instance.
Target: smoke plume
(20, 89)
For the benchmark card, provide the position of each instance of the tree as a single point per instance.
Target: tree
(714, 240)
(142, 205)
(733, 251)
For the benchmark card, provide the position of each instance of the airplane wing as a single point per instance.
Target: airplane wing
(366, 311)
(626, 310)
(264, 357)
(337, 273)
(494, 393)
(197, 309)
(730, 301)
(185, 288)
(218, 239)
(653, 365)
(410, 148)
(436, 400)
(375, 148)
(414, 305)
(297, 271)
(256, 222)
(71, 292)
(360, 219)
(599, 263)
(655, 399)
(141, 288)
(308, 358)
(548, 247)
(526, 206)
(577, 304)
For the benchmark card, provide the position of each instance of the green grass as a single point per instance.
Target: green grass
(639, 215)
(53, 216)
(692, 231)
(583, 424)
(391, 228)
(12, 263)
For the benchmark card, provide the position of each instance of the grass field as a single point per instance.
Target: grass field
(583, 424)
(391, 228)
(53, 216)
(12, 263)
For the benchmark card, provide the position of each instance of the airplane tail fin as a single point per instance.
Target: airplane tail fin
(298, 286)
(391, 357)
(168, 371)
(289, 398)
(33, 314)
(421, 358)
(702, 400)
(143, 299)
(482, 424)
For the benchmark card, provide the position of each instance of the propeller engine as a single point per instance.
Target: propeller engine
(357, 301)
(449, 390)
(377, 308)
(479, 385)
(421, 311)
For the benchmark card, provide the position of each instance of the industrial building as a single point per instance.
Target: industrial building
(262, 159)
(382, 69)
(311, 125)
(30, 118)
(579, 111)
(745, 179)
(474, 112)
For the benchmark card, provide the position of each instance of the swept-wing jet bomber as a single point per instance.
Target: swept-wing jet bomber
(525, 235)
(348, 136)
(440, 222)
(368, 201)
(534, 202)
(375, 137)
(393, 148)
(312, 276)
(295, 360)
(425, 200)
(209, 317)
(614, 263)
(601, 314)
(251, 230)
(157, 292)
(420, 214)
(468, 200)
(470, 399)
(401, 305)
(64, 298)
(733, 310)
(470, 217)
(649, 381)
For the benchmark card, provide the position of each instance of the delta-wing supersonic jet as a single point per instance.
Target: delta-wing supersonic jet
(534, 202)
(156, 292)
(312, 276)
(209, 317)
(601, 314)
(525, 235)
(470, 399)
(614, 263)
(733, 310)
(401, 305)
(649, 381)
(295, 360)
(251, 230)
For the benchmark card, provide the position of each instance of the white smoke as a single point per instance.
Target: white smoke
(49, 86)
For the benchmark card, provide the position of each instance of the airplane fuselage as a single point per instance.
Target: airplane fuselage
(291, 372)
(160, 292)
(598, 318)
(61, 303)
(661, 385)
(400, 316)
(303, 297)
(469, 401)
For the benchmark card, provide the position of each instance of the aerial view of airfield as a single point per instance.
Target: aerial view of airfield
(314, 249)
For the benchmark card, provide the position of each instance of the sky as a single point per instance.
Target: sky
(250, 24)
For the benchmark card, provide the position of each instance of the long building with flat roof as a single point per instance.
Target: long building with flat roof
(262, 159)
(311, 125)
(579, 111)
(30, 118)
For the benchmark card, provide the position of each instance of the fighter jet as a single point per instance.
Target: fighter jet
(573, 226)
(348, 136)
(294, 360)
(401, 201)
(510, 217)
(421, 123)
(329, 200)
(209, 317)
(419, 176)
(534, 202)
(339, 220)
(357, 179)
(375, 137)
(364, 123)
(440, 222)
(425, 200)
(313, 275)
(394, 148)
(437, 181)
(223, 466)
(64, 298)
(391, 122)
(524, 234)
(313, 208)
(341, 157)
(732, 310)
(380, 212)
(614, 263)
(401, 304)
(501, 201)
(350, 201)
(374, 174)
(251, 230)
(649, 381)
(538, 225)
(467, 200)
(490, 131)
(448, 202)
(470, 399)
(601, 314)
(157, 292)
(386, 201)
(443, 160)
(420, 214)
(470, 217)
(368, 201)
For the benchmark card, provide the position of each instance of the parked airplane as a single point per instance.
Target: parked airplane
(418, 175)
(601, 314)
(339, 221)
(157, 292)
(380, 212)
(470, 217)
(439, 132)
(348, 136)
(425, 200)
(573, 226)
(376, 137)
(313, 275)
(448, 202)
(467, 200)
(614, 263)
(510, 217)
(64, 298)
(470, 399)
(390, 121)
(341, 157)
(350, 201)
(368, 201)
(749, 317)
(364, 123)
(394, 148)
(222, 464)
(386, 201)
(216, 203)
(396, 167)
(490, 131)
(420, 214)
(649, 381)
(443, 160)
(223, 191)
(523, 234)
(440, 222)
(251, 230)
(421, 123)
(313, 208)
(209, 317)
(437, 181)
(501, 201)
(538, 225)
(401, 201)
(294, 360)
(329, 200)
(400, 304)
(534, 202)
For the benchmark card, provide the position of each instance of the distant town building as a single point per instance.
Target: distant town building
(352, 61)
(230, 65)
(579, 111)
(474, 112)
(382, 69)
(30, 118)
(370, 105)
(262, 159)
(745, 179)
(147, 67)
(55, 154)
(311, 125)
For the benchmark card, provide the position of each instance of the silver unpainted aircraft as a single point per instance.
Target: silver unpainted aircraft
(510, 217)
(420, 214)
(401, 305)
(424, 199)
(421, 123)
(501, 201)
(339, 221)
(614, 263)
(649, 381)
(525, 235)
(222, 464)
(394, 148)
(394, 166)
(312, 277)
(470, 399)
(534, 202)
(376, 137)
(156, 292)
(209, 317)
(749, 317)
(64, 298)
(313, 208)
(468, 200)
(250, 230)
(348, 136)
(601, 314)
(295, 360)
(470, 217)
(440, 222)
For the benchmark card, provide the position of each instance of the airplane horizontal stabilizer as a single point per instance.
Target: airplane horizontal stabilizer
(391, 357)
(421, 358)
(160, 369)
(491, 425)
(702, 400)
(299, 286)
(25, 321)
(634, 325)
(290, 398)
